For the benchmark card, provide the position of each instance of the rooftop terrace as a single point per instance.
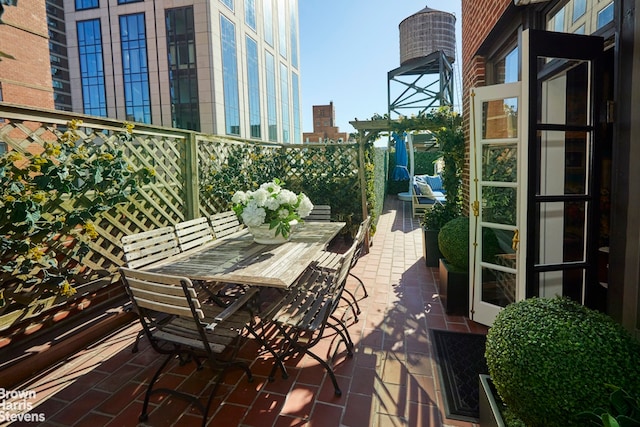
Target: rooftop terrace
(391, 380)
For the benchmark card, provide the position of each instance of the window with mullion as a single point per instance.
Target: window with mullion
(135, 69)
(91, 67)
(253, 87)
(230, 76)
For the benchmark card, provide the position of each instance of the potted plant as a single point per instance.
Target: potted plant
(432, 222)
(550, 360)
(453, 241)
(270, 211)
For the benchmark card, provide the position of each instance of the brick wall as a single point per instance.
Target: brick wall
(26, 80)
(478, 18)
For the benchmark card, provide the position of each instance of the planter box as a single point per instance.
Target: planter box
(490, 415)
(454, 290)
(431, 250)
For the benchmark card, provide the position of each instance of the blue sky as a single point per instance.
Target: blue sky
(347, 47)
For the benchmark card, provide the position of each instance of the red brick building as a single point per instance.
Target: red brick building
(324, 129)
(26, 79)
(550, 100)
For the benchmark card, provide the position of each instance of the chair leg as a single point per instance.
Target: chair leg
(344, 334)
(360, 285)
(144, 416)
(135, 348)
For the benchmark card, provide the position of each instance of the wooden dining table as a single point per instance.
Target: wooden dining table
(238, 259)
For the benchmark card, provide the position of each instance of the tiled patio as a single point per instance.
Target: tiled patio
(391, 381)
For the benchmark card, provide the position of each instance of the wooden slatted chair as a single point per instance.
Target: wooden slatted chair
(224, 224)
(319, 213)
(360, 239)
(307, 309)
(151, 246)
(331, 260)
(147, 247)
(193, 233)
(193, 332)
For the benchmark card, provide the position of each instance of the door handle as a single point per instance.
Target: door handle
(515, 242)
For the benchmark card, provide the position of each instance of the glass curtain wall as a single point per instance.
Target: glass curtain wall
(230, 76)
(94, 100)
(253, 87)
(272, 114)
(183, 73)
(135, 68)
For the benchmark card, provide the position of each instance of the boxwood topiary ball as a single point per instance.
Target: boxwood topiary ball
(551, 358)
(453, 241)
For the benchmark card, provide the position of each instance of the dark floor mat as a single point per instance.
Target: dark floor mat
(460, 358)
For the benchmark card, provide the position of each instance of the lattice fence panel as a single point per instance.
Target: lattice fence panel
(327, 174)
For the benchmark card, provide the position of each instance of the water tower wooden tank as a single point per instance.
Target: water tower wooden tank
(427, 52)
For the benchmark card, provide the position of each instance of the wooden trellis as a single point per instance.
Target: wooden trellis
(184, 163)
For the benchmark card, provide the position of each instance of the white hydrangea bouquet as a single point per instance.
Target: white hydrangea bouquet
(273, 205)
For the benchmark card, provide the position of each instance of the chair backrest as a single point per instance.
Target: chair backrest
(360, 239)
(193, 233)
(345, 263)
(224, 224)
(145, 248)
(319, 213)
(161, 293)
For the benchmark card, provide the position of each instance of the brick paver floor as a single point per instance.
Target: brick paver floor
(391, 381)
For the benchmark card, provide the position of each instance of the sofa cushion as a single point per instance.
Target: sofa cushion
(425, 190)
(435, 182)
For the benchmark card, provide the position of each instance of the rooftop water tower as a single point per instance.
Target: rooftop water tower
(427, 51)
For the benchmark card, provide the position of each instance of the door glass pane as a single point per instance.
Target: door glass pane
(568, 283)
(564, 157)
(562, 232)
(500, 119)
(499, 162)
(496, 245)
(564, 96)
(498, 287)
(499, 205)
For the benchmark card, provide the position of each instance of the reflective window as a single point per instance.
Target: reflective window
(293, 25)
(581, 16)
(250, 13)
(128, 1)
(558, 21)
(228, 3)
(91, 68)
(183, 73)
(267, 12)
(605, 15)
(86, 4)
(282, 28)
(135, 69)
(284, 94)
(297, 129)
(230, 76)
(272, 105)
(506, 68)
(253, 87)
(579, 9)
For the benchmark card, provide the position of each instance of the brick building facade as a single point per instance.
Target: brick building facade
(324, 129)
(26, 79)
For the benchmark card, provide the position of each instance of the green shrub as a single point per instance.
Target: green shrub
(453, 241)
(436, 217)
(550, 359)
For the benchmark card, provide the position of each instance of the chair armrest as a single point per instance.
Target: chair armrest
(232, 308)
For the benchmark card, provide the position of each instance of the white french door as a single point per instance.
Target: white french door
(496, 211)
(535, 177)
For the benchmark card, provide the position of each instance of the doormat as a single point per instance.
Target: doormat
(460, 359)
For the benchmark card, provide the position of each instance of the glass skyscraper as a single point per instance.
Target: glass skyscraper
(234, 73)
